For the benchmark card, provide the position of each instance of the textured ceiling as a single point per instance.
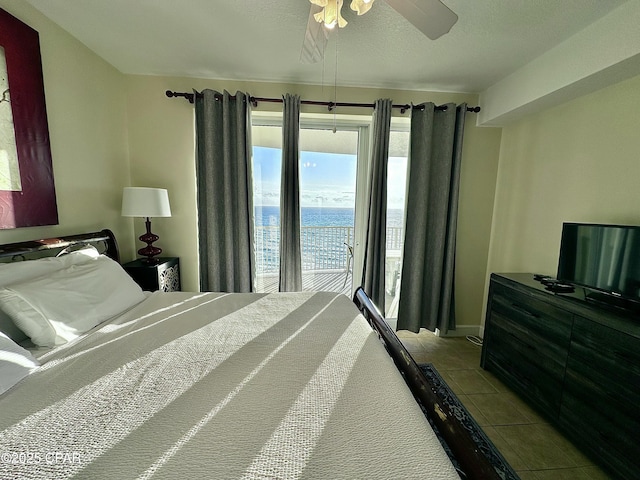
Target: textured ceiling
(260, 40)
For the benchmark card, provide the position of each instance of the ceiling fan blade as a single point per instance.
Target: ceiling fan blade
(315, 39)
(431, 17)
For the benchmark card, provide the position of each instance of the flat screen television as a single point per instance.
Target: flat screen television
(603, 258)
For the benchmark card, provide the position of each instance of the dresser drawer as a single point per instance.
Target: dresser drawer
(605, 433)
(613, 352)
(529, 345)
(602, 393)
(604, 368)
(526, 370)
(533, 314)
(527, 380)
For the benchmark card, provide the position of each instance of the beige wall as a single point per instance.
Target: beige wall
(161, 140)
(577, 162)
(86, 109)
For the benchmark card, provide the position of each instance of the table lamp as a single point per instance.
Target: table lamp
(146, 202)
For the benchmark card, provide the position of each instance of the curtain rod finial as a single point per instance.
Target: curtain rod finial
(188, 96)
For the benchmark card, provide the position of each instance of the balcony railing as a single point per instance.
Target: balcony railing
(323, 248)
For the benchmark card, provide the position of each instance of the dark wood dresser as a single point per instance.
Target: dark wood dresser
(574, 360)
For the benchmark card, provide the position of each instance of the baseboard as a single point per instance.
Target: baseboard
(461, 331)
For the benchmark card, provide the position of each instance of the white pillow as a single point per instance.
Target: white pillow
(59, 307)
(18, 272)
(9, 328)
(15, 363)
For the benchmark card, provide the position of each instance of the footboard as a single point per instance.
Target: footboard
(472, 461)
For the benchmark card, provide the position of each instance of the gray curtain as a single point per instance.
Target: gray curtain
(290, 256)
(427, 288)
(375, 244)
(225, 192)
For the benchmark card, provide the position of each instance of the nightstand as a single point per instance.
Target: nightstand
(164, 275)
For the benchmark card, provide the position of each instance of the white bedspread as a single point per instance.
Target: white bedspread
(221, 386)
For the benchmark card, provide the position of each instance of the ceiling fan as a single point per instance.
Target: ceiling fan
(432, 17)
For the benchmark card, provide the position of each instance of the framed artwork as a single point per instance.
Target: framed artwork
(27, 191)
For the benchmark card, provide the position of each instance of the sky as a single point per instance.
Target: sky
(326, 179)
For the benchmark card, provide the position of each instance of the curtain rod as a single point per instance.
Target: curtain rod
(330, 105)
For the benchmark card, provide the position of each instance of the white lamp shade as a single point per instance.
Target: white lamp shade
(145, 202)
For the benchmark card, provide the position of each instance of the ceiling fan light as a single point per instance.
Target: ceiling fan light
(361, 6)
(331, 14)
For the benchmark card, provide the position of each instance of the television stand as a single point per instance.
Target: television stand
(574, 361)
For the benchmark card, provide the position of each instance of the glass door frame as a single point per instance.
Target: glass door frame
(361, 124)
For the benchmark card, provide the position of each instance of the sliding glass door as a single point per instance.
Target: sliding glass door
(396, 199)
(328, 163)
(331, 165)
(267, 165)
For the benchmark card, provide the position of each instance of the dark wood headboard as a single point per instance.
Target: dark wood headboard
(51, 246)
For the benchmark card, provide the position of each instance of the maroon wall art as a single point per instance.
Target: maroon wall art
(27, 193)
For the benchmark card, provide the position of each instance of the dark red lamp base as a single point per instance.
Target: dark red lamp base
(149, 251)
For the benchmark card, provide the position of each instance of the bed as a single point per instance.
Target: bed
(113, 382)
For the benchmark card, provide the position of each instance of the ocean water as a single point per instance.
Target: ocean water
(322, 248)
(321, 217)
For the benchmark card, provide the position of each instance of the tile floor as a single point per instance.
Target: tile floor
(535, 450)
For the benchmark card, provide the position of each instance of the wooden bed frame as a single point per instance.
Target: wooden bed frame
(104, 240)
(474, 464)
